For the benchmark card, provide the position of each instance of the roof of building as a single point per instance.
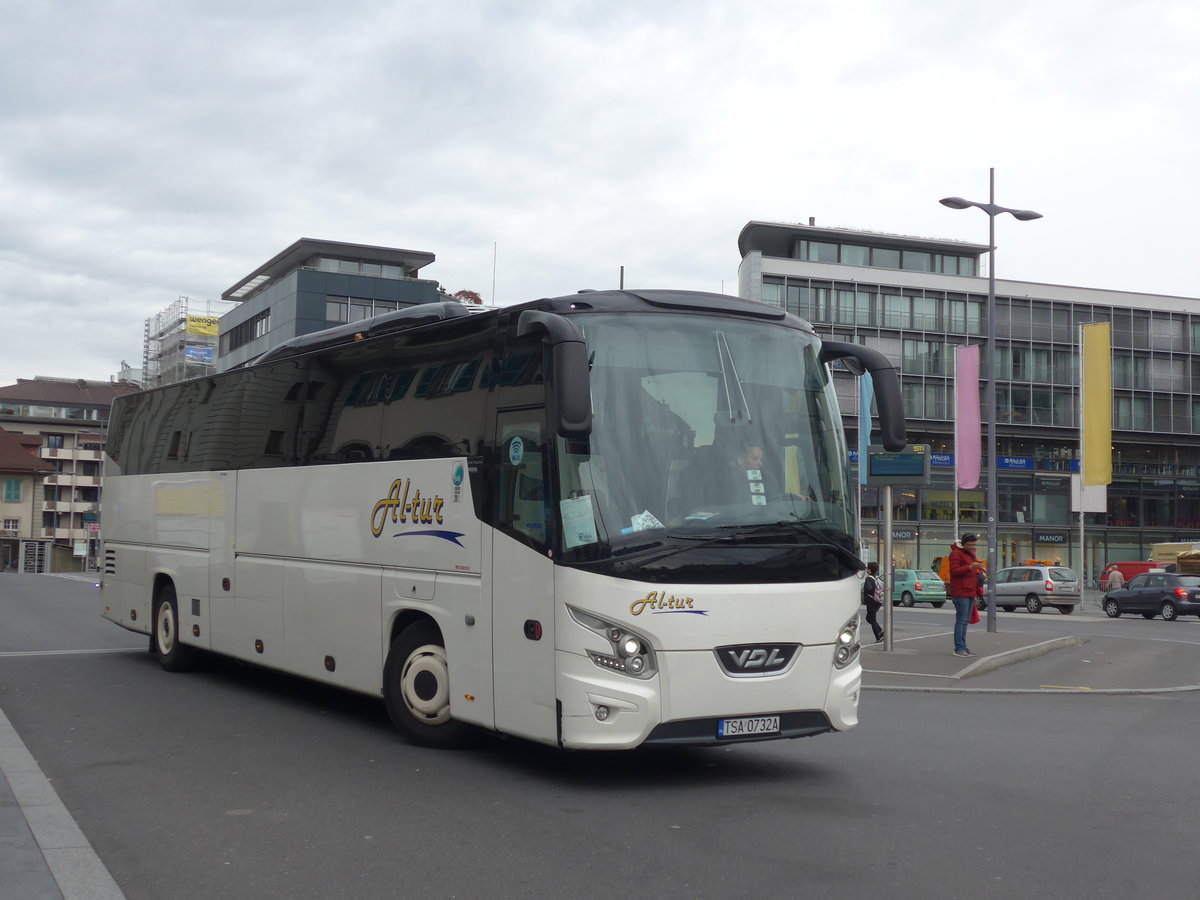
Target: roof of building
(287, 260)
(775, 239)
(65, 391)
(18, 454)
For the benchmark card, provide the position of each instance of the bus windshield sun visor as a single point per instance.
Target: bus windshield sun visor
(888, 399)
(568, 369)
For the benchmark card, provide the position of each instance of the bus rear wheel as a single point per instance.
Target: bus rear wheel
(173, 655)
(416, 689)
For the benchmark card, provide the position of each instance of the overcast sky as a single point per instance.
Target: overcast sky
(154, 148)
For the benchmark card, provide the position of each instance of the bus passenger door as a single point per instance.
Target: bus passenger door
(522, 580)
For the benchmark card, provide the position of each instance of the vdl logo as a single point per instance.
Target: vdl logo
(748, 660)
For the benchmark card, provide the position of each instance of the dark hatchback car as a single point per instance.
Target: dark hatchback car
(1156, 593)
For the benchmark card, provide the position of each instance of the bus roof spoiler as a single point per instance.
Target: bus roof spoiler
(888, 399)
(386, 323)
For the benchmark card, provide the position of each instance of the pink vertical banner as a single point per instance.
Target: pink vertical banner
(967, 432)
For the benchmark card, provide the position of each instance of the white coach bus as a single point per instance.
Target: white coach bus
(596, 521)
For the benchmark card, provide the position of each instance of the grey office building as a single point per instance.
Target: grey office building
(313, 285)
(916, 299)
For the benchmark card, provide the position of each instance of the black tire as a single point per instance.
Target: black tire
(1065, 608)
(906, 599)
(1033, 603)
(937, 604)
(416, 689)
(1170, 611)
(1009, 608)
(173, 655)
(1112, 609)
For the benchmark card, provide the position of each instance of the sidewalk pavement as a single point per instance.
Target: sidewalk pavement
(1096, 664)
(43, 854)
(915, 662)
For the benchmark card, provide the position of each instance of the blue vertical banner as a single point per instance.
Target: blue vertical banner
(866, 390)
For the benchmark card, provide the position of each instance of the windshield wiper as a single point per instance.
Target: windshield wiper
(653, 551)
(645, 554)
(850, 557)
(621, 553)
(724, 353)
(789, 526)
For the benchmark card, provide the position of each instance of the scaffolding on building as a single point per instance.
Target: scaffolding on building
(180, 342)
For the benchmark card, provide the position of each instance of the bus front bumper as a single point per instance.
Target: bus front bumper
(688, 698)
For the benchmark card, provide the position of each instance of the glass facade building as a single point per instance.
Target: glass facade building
(916, 300)
(313, 285)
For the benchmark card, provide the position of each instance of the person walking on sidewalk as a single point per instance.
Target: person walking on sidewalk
(964, 588)
(873, 598)
(1116, 580)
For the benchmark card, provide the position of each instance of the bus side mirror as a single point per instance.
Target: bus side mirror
(889, 400)
(569, 375)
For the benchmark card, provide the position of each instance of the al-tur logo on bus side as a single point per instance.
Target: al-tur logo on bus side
(397, 507)
(660, 602)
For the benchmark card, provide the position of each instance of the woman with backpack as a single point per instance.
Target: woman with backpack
(873, 598)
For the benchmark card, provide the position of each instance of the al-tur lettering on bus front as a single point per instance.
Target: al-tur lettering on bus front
(661, 602)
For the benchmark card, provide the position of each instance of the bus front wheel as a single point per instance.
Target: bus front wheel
(173, 655)
(416, 688)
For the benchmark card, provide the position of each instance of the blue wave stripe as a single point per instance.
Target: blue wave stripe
(451, 536)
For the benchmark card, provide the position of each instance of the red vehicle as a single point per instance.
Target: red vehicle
(1132, 567)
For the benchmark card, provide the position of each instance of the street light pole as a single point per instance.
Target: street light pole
(993, 499)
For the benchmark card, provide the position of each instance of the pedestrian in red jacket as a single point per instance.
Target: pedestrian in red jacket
(964, 588)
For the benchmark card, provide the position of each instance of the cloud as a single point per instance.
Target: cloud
(164, 149)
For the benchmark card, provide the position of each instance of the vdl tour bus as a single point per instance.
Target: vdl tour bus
(597, 521)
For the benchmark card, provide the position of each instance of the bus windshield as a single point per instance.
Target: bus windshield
(706, 429)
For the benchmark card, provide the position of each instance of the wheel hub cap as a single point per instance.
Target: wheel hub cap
(425, 685)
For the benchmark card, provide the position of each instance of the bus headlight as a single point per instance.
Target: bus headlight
(846, 647)
(631, 653)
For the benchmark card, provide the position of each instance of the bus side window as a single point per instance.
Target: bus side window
(523, 507)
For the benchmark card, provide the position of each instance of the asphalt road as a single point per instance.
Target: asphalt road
(233, 782)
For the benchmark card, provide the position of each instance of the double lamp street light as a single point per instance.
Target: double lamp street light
(1023, 215)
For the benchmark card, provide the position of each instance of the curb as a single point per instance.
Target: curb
(77, 870)
(1008, 657)
(1105, 692)
(1020, 654)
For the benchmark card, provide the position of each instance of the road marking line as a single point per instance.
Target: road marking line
(921, 637)
(909, 674)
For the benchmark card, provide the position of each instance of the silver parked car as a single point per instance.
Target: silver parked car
(1036, 586)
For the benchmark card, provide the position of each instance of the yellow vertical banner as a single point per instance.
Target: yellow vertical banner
(1096, 424)
(791, 470)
